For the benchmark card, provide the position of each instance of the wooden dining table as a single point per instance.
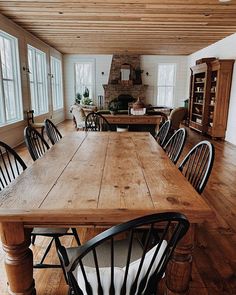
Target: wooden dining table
(97, 179)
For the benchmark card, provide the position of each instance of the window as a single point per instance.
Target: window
(38, 80)
(10, 86)
(166, 84)
(84, 78)
(56, 72)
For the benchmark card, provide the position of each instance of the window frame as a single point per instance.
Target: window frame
(16, 81)
(35, 105)
(165, 86)
(58, 101)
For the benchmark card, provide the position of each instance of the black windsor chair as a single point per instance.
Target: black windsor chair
(52, 132)
(105, 265)
(161, 135)
(197, 164)
(94, 121)
(175, 145)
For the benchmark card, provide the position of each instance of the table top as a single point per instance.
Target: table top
(100, 178)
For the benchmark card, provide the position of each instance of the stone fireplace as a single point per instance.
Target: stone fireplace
(132, 87)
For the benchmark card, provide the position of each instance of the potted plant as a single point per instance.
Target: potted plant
(86, 100)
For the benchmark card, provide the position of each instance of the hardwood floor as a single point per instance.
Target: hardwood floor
(214, 268)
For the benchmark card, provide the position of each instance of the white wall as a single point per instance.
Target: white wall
(224, 49)
(148, 64)
(102, 64)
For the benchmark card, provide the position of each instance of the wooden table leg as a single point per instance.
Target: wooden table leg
(179, 269)
(19, 258)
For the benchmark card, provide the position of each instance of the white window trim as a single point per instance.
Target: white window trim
(16, 79)
(45, 89)
(57, 60)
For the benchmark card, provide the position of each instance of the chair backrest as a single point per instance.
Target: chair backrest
(177, 116)
(11, 165)
(30, 117)
(52, 132)
(197, 164)
(35, 143)
(175, 145)
(96, 122)
(139, 277)
(161, 136)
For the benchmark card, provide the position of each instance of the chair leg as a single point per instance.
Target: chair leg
(46, 252)
(42, 131)
(58, 245)
(74, 231)
(33, 238)
(44, 265)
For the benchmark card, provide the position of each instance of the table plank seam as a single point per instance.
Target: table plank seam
(103, 168)
(141, 165)
(63, 170)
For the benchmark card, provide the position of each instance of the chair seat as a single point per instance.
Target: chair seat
(37, 125)
(114, 273)
(120, 260)
(120, 250)
(49, 231)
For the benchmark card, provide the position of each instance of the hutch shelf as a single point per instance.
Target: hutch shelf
(209, 96)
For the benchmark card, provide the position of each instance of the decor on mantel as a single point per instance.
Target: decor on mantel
(125, 78)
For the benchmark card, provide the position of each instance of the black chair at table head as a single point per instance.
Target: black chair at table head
(94, 121)
(106, 265)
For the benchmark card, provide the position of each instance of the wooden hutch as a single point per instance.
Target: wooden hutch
(209, 96)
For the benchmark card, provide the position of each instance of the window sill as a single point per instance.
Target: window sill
(59, 110)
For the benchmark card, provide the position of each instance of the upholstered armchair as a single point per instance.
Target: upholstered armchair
(177, 115)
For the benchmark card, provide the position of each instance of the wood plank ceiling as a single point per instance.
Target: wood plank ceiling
(125, 26)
